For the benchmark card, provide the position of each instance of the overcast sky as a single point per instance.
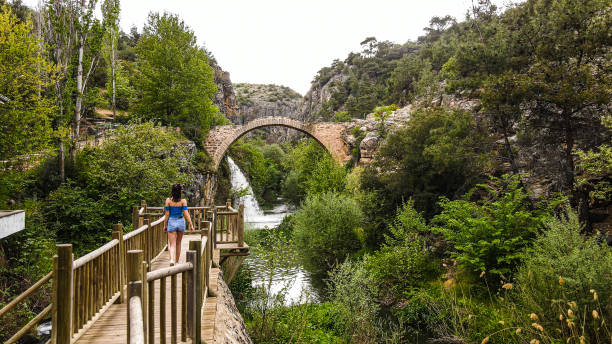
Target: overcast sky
(286, 42)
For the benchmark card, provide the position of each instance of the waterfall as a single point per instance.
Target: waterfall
(252, 211)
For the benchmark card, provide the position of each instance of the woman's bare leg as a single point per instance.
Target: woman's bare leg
(179, 238)
(172, 248)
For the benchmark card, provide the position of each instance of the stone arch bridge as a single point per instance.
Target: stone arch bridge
(328, 134)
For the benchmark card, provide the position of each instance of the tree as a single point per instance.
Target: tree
(59, 31)
(25, 112)
(110, 10)
(568, 78)
(89, 33)
(174, 79)
(326, 230)
(440, 152)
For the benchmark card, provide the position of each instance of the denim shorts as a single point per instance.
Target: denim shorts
(176, 224)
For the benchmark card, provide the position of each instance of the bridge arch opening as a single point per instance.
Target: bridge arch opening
(221, 138)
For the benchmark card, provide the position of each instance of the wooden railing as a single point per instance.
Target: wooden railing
(83, 289)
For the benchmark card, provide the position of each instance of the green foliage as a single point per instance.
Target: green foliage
(354, 294)
(565, 267)
(174, 80)
(438, 153)
(25, 112)
(76, 218)
(310, 169)
(491, 234)
(404, 78)
(327, 176)
(306, 323)
(262, 164)
(381, 114)
(597, 169)
(342, 116)
(139, 161)
(402, 264)
(326, 230)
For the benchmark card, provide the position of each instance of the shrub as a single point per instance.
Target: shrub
(325, 230)
(354, 294)
(491, 234)
(402, 263)
(342, 116)
(566, 271)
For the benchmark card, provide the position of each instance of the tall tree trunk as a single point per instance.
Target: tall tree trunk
(79, 100)
(114, 76)
(61, 157)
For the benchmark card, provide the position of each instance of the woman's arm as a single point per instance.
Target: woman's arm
(187, 216)
(166, 216)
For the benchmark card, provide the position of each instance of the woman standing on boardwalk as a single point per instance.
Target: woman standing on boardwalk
(174, 222)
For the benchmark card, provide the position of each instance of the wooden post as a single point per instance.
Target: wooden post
(144, 267)
(135, 324)
(241, 225)
(118, 234)
(184, 277)
(135, 217)
(213, 237)
(134, 274)
(196, 245)
(228, 204)
(214, 227)
(191, 295)
(54, 302)
(147, 241)
(64, 294)
(173, 315)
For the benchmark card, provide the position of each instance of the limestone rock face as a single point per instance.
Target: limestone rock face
(256, 101)
(225, 99)
(365, 134)
(229, 325)
(317, 96)
(203, 186)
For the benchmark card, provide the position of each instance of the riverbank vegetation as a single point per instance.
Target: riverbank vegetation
(447, 235)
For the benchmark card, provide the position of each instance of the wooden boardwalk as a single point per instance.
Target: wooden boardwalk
(111, 326)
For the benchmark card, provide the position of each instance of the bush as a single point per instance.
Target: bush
(306, 323)
(490, 235)
(402, 264)
(354, 294)
(566, 271)
(325, 230)
(342, 116)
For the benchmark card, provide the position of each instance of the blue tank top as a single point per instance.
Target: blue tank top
(176, 211)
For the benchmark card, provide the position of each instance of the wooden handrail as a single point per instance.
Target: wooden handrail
(26, 293)
(24, 330)
(94, 254)
(142, 229)
(165, 272)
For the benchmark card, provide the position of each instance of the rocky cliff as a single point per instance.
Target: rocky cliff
(225, 98)
(257, 100)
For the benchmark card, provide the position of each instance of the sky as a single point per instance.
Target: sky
(285, 42)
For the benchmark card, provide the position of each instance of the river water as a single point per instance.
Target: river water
(294, 279)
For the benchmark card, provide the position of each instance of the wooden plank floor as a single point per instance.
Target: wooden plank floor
(111, 327)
